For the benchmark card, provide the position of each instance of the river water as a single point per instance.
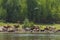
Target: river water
(19, 36)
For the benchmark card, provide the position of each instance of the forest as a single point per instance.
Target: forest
(37, 11)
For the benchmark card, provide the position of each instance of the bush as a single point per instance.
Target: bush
(31, 24)
(26, 23)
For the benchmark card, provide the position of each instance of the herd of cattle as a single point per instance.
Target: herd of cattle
(16, 28)
(9, 28)
(46, 29)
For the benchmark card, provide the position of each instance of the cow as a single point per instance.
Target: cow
(35, 29)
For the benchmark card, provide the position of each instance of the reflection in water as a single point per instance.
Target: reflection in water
(10, 36)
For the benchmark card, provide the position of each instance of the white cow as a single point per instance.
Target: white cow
(1, 28)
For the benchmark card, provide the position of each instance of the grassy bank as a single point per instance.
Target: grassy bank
(42, 26)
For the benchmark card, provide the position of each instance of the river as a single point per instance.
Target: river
(37, 36)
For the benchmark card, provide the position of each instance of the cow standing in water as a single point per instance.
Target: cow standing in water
(35, 29)
(1, 28)
(52, 29)
(5, 28)
(16, 28)
(10, 29)
(46, 29)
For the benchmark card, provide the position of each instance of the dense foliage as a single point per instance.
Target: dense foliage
(38, 11)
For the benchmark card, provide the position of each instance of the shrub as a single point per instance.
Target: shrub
(31, 24)
(26, 23)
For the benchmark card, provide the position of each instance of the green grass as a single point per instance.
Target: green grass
(42, 26)
(57, 26)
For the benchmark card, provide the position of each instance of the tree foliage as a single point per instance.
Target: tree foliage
(37, 11)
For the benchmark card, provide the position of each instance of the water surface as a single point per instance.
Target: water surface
(18, 36)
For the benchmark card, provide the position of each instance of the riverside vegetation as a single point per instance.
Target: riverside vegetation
(29, 27)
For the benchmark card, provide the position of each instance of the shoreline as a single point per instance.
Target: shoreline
(29, 32)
